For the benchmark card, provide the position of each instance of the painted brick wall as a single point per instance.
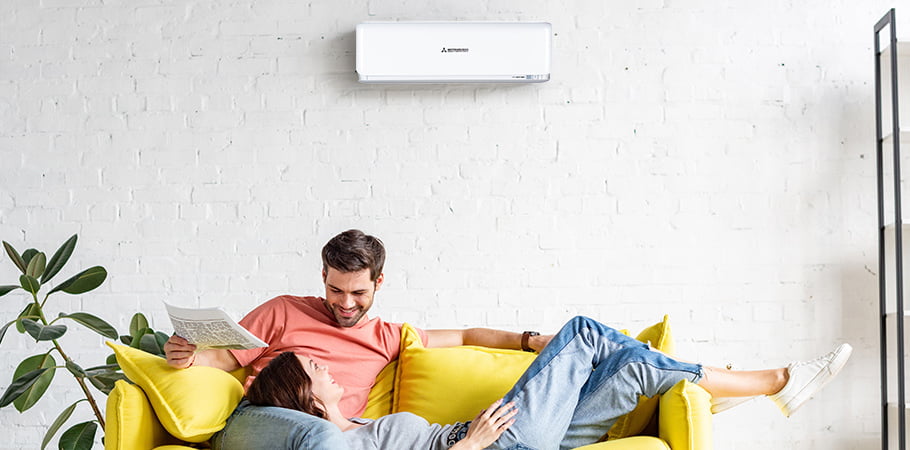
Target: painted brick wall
(711, 161)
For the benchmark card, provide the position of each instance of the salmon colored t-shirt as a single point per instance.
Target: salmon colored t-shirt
(304, 325)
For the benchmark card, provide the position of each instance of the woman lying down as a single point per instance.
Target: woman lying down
(587, 377)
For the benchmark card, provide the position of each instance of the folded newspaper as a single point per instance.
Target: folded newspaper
(211, 328)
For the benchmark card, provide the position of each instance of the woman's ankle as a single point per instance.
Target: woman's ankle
(782, 376)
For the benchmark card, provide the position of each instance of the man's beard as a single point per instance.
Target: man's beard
(345, 321)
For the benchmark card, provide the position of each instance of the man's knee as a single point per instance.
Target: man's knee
(578, 322)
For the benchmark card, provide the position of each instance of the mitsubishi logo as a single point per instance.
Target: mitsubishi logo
(454, 50)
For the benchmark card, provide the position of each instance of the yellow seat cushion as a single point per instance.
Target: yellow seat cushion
(192, 404)
(659, 337)
(379, 402)
(448, 385)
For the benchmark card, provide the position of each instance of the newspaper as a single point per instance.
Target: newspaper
(211, 328)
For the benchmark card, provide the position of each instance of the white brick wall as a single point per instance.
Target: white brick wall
(707, 160)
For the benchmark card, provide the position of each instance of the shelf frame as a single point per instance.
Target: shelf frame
(889, 21)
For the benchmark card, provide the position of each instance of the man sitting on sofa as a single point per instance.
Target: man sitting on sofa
(336, 332)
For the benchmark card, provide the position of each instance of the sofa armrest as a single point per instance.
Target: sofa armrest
(629, 443)
(130, 422)
(685, 420)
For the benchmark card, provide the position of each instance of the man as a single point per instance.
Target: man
(333, 331)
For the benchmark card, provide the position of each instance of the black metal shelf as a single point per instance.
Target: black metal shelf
(893, 137)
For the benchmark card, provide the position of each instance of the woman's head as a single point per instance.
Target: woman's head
(295, 382)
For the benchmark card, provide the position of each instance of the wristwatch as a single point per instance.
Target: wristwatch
(525, 337)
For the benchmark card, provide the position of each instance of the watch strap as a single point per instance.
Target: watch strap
(525, 337)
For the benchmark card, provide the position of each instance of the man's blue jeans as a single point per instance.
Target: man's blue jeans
(587, 377)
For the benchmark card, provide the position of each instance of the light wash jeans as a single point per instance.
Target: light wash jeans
(587, 377)
(268, 428)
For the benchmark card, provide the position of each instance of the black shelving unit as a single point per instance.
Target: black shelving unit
(889, 21)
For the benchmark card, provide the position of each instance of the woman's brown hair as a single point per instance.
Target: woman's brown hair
(284, 383)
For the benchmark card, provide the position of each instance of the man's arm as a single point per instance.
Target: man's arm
(484, 337)
(181, 354)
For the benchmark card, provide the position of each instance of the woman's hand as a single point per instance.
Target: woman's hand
(488, 426)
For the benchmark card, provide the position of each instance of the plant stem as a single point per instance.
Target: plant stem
(80, 381)
(88, 394)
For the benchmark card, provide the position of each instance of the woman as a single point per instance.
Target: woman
(587, 377)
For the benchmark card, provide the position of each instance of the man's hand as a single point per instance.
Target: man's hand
(179, 352)
(537, 343)
(486, 428)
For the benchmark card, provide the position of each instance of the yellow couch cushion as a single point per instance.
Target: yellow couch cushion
(379, 402)
(659, 337)
(130, 422)
(447, 385)
(685, 417)
(192, 404)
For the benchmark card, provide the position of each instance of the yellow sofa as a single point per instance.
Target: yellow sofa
(168, 409)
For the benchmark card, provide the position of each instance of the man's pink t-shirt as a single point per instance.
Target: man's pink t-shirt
(304, 325)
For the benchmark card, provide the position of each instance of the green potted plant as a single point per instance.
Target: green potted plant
(34, 375)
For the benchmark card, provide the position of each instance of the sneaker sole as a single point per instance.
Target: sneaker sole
(842, 354)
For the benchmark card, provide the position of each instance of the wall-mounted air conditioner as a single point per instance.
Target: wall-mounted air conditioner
(453, 52)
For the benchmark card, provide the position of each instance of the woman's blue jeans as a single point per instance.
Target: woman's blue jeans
(587, 377)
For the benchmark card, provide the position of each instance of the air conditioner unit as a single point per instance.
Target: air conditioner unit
(453, 52)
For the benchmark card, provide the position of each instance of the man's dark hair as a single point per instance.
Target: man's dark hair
(353, 251)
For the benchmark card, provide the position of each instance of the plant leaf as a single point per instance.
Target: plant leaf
(93, 323)
(149, 344)
(31, 395)
(14, 255)
(104, 382)
(162, 339)
(36, 265)
(7, 289)
(137, 338)
(29, 283)
(20, 385)
(31, 311)
(75, 369)
(138, 323)
(43, 332)
(79, 437)
(83, 281)
(61, 256)
(93, 371)
(61, 419)
(3, 330)
(27, 257)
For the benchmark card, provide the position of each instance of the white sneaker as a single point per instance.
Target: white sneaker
(809, 377)
(721, 404)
